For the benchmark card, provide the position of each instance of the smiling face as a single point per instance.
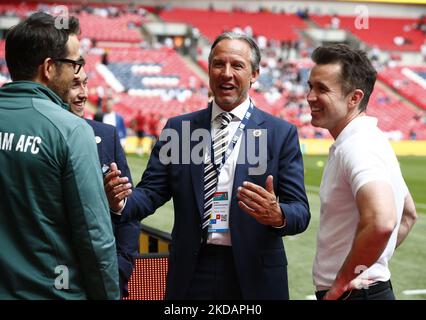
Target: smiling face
(78, 94)
(231, 73)
(331, 108)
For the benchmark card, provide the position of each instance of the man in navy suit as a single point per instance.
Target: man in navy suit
(225, 245)
(109, 150)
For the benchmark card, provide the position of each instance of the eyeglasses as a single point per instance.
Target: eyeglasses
(77, 64)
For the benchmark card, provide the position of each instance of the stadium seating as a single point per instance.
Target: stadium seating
(381, 31)
(159, 83)
(120, 29)
(413, 91)
(396, 117)
(278, 26)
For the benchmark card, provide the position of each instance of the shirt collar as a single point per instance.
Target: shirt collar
(238, 112)
(356, 125)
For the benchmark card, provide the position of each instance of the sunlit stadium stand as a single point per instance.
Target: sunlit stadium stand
(380, 31)
(154, 81)
(410, 82)
(159, 82)
(147, 76)
(395, 116)
(211, 23)
(120, 29)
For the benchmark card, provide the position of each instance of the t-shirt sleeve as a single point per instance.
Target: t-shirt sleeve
(364, 165)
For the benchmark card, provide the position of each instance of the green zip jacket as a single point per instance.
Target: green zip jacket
(56, 239)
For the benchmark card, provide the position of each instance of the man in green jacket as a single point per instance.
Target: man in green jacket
(55, 227)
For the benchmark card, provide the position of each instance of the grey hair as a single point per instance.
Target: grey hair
(229, 35)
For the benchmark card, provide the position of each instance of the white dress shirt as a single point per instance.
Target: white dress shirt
(227, 173)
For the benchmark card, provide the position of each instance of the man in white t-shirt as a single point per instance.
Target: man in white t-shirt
(366, 208)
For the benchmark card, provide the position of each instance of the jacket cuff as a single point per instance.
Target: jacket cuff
(118, 213)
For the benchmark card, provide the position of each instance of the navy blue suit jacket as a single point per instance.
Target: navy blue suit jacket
(126, 232)
(259, 254)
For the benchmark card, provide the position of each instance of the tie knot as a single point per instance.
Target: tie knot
(225, 118)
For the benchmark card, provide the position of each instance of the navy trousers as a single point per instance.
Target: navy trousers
(215, 277)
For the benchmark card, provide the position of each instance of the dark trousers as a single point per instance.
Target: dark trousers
(215, 277)
(376, 291)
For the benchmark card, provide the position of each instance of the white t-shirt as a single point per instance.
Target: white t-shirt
(360, 154)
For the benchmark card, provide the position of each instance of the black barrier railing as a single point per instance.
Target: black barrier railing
(153, 240)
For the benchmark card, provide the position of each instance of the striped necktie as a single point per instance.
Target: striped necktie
(210, 174)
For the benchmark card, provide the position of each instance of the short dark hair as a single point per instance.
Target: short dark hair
(255, 51)
(357, 70)
(33, 40)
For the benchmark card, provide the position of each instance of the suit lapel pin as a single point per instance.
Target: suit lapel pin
(257, 133)
(98, 139)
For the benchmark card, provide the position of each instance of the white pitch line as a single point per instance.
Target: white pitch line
(312, 188)
(414, 292)
(420, 205)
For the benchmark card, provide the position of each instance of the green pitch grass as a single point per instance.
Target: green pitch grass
(407, 265)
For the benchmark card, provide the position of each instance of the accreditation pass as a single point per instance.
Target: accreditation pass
(219, 218)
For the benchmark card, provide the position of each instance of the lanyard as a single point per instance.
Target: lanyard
(234, 140)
